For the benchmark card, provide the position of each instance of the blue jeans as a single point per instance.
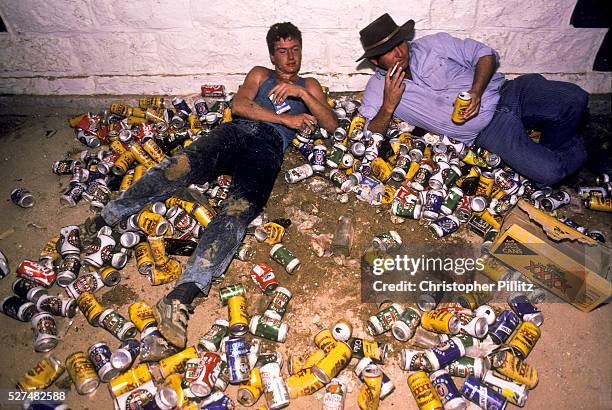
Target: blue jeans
(554, 107)
(250, 151)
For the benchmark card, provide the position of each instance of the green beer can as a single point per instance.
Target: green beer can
(283, 256)
(231, 290)
(268, 328)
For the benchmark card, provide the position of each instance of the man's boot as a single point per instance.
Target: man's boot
(172, 317)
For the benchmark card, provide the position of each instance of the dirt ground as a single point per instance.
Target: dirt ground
(573, 356)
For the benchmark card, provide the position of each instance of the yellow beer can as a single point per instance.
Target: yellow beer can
(203, 214)
(369, 394)
(381, 169)
(122, 164)
(141, 315)
(126, 181)
(250, 391)
(166, 273)
(513, 368)
(440, 321)
(485, 184)
(130, 380)
(462, 101)
(238, 317)
(295, 363)
(174, 382)
(151, 223)
(82, 373)
(324, 340)
(151, 147)
(139, 171)
(141, 155)
(110, 276)
(91, 308)
(158, 250)
(150, 102)
(412, 170)
(144, 258)
(176, 362)
(118, 147)
(329, 367)
(423, 391)
(303, 383)
(121, 109)
(41, 376)
(524, 339)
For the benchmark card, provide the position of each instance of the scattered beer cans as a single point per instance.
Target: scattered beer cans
(18, 308)
(236, 349)
(29, 290)
(123, 358)
(45, 332)
(117, 325)
(57, 305)
(4, 266)
(278, 305)
(36, 272)
(482, 395)
(22, 197)
(283, 256)
(264, 277)
(82, 372)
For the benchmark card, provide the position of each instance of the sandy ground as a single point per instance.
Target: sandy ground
(573, 356)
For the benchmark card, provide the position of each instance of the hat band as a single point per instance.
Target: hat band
(384, 40)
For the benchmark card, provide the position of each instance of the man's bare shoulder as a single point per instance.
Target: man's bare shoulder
(312, 83)
(259, 72)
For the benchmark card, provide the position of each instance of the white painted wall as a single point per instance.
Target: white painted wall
(174, 46)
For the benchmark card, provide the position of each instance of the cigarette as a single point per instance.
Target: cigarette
(393, 69)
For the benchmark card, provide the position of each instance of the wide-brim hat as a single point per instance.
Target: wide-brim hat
(383, 34)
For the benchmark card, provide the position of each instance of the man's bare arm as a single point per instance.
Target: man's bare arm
(316, 102)
(485, 67)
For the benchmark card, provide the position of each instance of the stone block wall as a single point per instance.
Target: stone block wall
(173, 46)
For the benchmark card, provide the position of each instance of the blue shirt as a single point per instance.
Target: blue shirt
(442, 66)
(296, 104)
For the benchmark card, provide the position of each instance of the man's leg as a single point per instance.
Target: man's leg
(559, 154)
(258, 162)
(200, 162)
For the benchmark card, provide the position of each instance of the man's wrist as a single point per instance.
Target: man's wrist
(386, 110)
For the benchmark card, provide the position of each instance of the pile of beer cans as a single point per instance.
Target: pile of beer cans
(417, 175)
(598, 197)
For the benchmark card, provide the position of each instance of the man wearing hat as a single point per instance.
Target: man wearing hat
(431, 71)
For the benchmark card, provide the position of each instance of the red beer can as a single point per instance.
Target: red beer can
(264, 277)
(36, 273)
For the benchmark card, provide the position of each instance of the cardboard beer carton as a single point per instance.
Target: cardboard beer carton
(555, 256)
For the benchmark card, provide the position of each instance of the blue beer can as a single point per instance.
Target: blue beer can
(446, 389)
(445, 353)
(100, 355)
(224, 403)
(504, 326)
(482, 395)
(236, 351)
(525, 309)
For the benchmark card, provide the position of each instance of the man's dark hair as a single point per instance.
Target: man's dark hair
(282, 30)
